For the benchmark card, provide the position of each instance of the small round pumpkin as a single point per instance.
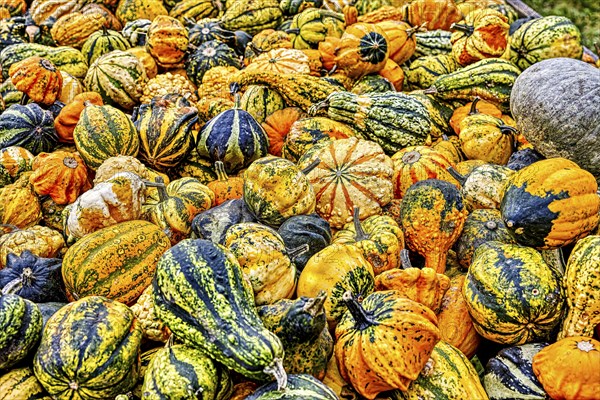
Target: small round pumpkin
(38, 78)
(68, 117)
(281, 61)
(278, 126)
(363, 49)
(167, 41)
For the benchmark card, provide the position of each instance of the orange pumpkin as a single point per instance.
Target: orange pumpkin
(363, 49)
(569, 368)
(281, 61)
(61, 175)
(167, 41)
(393, 73)
(433, 14)
(68, 117)
(38, 78)
(277, 126)
(482, 107)
(225, 187)
(327, 50)
(401, 39)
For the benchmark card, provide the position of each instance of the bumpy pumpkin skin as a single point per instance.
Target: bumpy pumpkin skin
(551, 203)
(384, 342)
(12, 199)
(486, 138)
(568, 369)
(582, 287)
(39, 240)
(167, 40)
(436, 14)
(513, 296)
(38, 78)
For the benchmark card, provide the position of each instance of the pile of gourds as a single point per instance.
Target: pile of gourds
(297, 199)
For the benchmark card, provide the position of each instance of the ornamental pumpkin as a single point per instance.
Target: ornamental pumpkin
(39, 240)
(116, 200)
(73, 29)
(394, 74)
(378, 237)
(385, 326)
(194, 10)
(278, 125)
(314, 25)
(481, 34)
(513, 296)
(482, 107)
(147, 61)
(424, 286)
(582, 289)
(251, 16)
(363, 49)
(309, 232)
(208, 55)
(102, 42)
(225, 187)
(401, 40)
(350, 172)
(143, 310)
(281, 61)
(70, 88)
(568, 369)
(20, 329)
(179, 202)
(276, 189)
(61, 175)
(38, 78)
(261, 101)
(432, 215)
(336, 269)
(169, 84)
(167, 41)
(417, 163)
(264, 41)
(299, 386)
(12, 199)
(21, 380)
(434, 14)
(264, 259)
(455, 322)
(484, 186)
(424, 70)
(68, 117)
(14, 160)
(550, 204)
(213, 224)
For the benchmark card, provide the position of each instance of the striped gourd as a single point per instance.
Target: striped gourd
(423, 71)
(299, 387)
(252, 16)
(440, 113)
(90, 349)
(118, 77)
(64, 58)
(544, 38)
(261, 101)
(393, 120)
(135, 31)
(447, 375)
(20, 329)
(30, 127)
(102, 42)
(21, 384)
(513, 296)
(509, 374)
(117, 262)
(432, 43)
(312, 26)
(200, 293)
(103, 132)
(184, 372)
(194, 166)
(165, 127)
(210, 54)
(196, 9)
(491, 79)
(233, 137)
(146, 357)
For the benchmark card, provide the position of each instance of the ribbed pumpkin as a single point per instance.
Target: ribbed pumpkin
(261, 101)
(12, 199)
(434, 14)
(14, 160)
(401, 40)
(165, 127)
(99, 365)
(278, 125)
(299, 386)
(195, 9)
(363, 49)
(38, 78)
(385, 326)
(550, 203)
(305, 231)
(313, 25)
(67, 118)
(210, 54)
(72, 29)
(30, 127)
(513, 296)
(102, 42)
(167, 41)
(21, 383)
(281, 61)
(416, 163)
(264, 41)
(482, 107)
(61, 175)
(117, 262)
(119, 77)
(351, 173)
(233, 137)
(20, 329)
(582, 289)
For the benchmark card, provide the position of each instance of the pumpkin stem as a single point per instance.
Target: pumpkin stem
(32, 31)
(297, 251)
(506, 129)
(24, 99)
(468, 29)
(294, 31)
(315, 305)
(431, 90)
(236, 101)
(220, 171)
(360, 232)
(159, 184)
(416, 29)
(234, 87)
(491, 225)
(311, 166)
(276, 369)
(473, 109)
(456, 175)
(315, 108)
(362, 318)
(405, 259)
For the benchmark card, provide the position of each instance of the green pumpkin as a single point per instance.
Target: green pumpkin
(252, 16)
(102, 42)
(313, 25)
(64, 58)
(29, 126)
(77, 359)
(21, 384)
(202, 297)
(195, 9)
(423, 71)
(210, 54)
(309, 230)
(513, 296)
(372, 84)
(214, 223)
(194, 166)
(184, 372)
(261, 101)
(432, 43)
(20, 329)
(299, 387)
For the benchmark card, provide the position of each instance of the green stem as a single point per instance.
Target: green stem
(456, 175)
(405, 259)
(468, 29)
(362, 318)
(297, 251)
(315, 305)
(276, 370)
(159, 184)
(506, 129)
(311, 166)
(24, 99)
(473, 109)
(360, 232)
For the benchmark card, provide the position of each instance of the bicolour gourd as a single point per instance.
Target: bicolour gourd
(14, 160)
(385, 324)
(21, 383)
(252, 16)
(210, 54)
(484, 186)
(77, 359)
(102, 42)
(261, 101)
(312, 26)
(37, 78)
(20, 329)
(302, 230)
(200, 293)
(12, 199)
(167, 41)
(213, 223)
(28, 126)
(431, 43)
(582, 289)
(300, 387)
(423, 71)
(550, 204)
(513, 296)
(363, 49)
(64, 58)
